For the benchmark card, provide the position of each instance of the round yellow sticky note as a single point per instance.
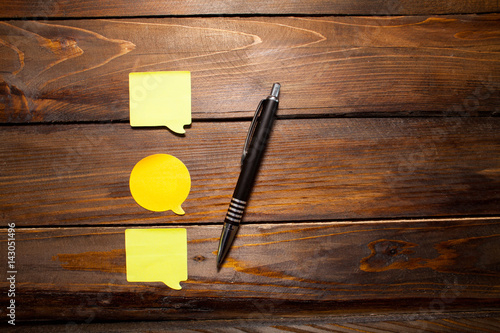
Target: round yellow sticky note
(160, 182)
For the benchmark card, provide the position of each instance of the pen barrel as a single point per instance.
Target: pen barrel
(253, 158)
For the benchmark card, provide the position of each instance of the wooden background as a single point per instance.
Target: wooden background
(377, 206)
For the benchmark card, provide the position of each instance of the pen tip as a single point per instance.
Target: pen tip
(219, 264)
(226, 239)
(220, 258)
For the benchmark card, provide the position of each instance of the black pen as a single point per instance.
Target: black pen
(250, 161)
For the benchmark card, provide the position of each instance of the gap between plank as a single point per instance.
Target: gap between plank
(275, 223)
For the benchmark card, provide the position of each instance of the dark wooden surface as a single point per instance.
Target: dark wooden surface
(327, 265)
(354, 324)
(377, 207)
(314, 169)
(95, 8)
(77, 70)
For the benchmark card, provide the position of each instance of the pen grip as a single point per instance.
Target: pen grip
(235, 212)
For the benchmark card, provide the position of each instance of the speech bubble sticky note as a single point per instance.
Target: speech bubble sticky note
(154, 255)
(160, 99)
(160, 182)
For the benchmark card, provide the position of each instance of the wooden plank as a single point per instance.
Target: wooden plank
(78, 70)
(418, 267)
(314, 169)
(368, 323)
(93, 8)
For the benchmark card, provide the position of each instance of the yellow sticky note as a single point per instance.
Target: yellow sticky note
(160, 182)
(154, 255)
(160, 99)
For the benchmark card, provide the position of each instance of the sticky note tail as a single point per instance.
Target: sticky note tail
(177, 128)
(173, 284)
(178, 210)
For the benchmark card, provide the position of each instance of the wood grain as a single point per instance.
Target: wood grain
(303, 325)
(77, 70)
(93, 8)
(73, 274)
(314, 169)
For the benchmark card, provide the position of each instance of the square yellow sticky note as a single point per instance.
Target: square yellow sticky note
(156, 255)
(160, 99)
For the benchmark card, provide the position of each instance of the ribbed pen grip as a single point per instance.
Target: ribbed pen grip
(235, 211)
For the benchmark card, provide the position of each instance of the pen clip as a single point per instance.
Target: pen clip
(248, 140)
